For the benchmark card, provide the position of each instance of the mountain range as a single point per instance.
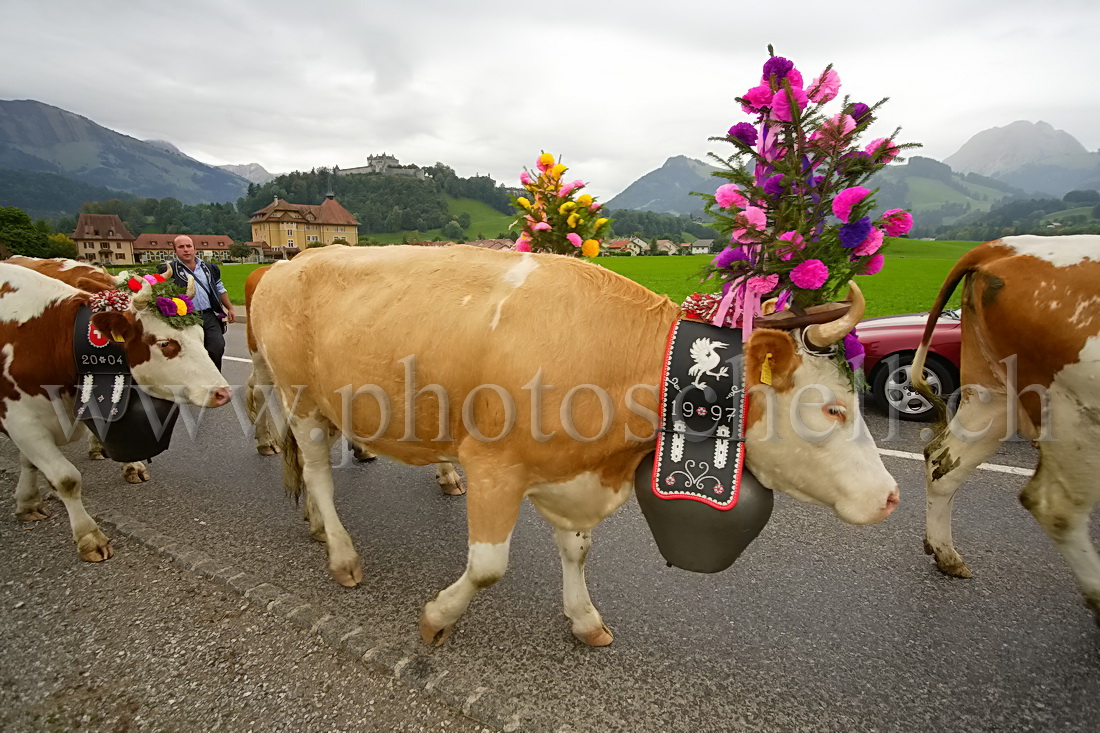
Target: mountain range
(1023, 159)
(41, 138)
(73, 157)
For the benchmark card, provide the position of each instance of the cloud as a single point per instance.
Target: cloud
(614, 87)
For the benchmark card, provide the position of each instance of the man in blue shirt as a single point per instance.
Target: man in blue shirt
(211, 299)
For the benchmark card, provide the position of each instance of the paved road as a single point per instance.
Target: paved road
(819, 626)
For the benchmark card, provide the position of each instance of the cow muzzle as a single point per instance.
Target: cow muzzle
(221, 396)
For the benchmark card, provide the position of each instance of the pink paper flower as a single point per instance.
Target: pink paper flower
(569, 188)
(541, 227)
(870, 245)
(810, 275)
(757, 98)
(751, 221)
(523, 245)
(730, 195)
(595, 207)
(825, 87)
(881, 150)
(797, 242)
(846, 199)
(897, 222)
(525, 178)
(874, 265)
(833, 134)
(763, 283)
(781, 103)
(574, 239)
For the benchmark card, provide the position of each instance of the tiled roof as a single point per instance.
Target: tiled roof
(164, 241)
(327, 212)
(97, 226)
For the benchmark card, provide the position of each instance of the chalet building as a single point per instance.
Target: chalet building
(158, 247)
(701, 246)
(282, 225)
(103, 238)
(632, 245)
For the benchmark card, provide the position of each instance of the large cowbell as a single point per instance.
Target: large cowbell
(131, 424)
(701, 503)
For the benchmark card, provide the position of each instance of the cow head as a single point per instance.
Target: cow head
(805, 435)
(168, 361)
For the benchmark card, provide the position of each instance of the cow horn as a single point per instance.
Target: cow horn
(190, 286)
(142, 297)
(823, 335)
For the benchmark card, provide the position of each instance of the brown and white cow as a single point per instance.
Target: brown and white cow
(538, 374)
(259, 411)
(37, 317)
(1030, 362)
(93, 279)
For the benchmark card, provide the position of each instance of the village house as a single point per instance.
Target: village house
(157, 248)
(103, 238)
(632, 245)
(282, 225)
(701, 246)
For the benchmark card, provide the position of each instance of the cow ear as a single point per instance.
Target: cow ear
(114, 325)
(91, 285)
(771, 358)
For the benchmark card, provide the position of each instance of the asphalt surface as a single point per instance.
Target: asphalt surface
(819, 625)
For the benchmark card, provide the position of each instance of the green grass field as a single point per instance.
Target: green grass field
(484, 219)
(908, 283)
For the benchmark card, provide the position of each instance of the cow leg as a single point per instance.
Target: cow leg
(449, 480)
(28, 499)
(95, 448)
(259, 409)
(973, 436)
(135, 472)
(492, 508)
(315, 437)
(588, 626)
(1061, 497)
(40, 450)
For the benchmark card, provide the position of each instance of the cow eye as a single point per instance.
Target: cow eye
(164, 343)
(836, 411)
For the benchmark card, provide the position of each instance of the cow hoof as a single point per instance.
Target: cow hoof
(96, 455)
(596, 637)
(952, 564)
(362, 454)
(267, 450)
(94, 547)
(317, 534)
(431, 634)
(452, 488)
(135, 473)
(348, 575)
(33, 514)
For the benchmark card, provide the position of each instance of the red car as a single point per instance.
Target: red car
(891, 343)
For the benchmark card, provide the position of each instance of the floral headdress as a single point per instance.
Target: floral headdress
(173, 307)
(551, 219)
(798, 221)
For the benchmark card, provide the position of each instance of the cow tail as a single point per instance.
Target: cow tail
(968, 263)
(293, 483)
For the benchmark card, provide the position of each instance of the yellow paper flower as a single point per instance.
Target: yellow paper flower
(522, 201)
(557, 170)
(566, 207)
(590, 248)
(546, 160)
(572, 221)
(600, 222)
(584, 200)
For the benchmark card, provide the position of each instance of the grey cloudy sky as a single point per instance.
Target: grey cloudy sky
(615, 87)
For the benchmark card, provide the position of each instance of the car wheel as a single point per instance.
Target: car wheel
(893, 388)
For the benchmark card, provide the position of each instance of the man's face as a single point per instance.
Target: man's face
(185, 250)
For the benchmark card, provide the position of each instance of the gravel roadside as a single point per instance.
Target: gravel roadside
(139, 643)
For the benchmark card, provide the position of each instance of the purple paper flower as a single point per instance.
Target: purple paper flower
(853, 350)
(728, 256)
(171, 306)
(745, 132)
(858, 111)
(851, 235)
(774, 185)
(778, 66)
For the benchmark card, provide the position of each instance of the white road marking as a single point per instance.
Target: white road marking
(1014, 470)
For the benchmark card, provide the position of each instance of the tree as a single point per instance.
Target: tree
(1087, 196)
(240, 250)
(20, 236)
(452, 230)
(59, 245)
(464, 220)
